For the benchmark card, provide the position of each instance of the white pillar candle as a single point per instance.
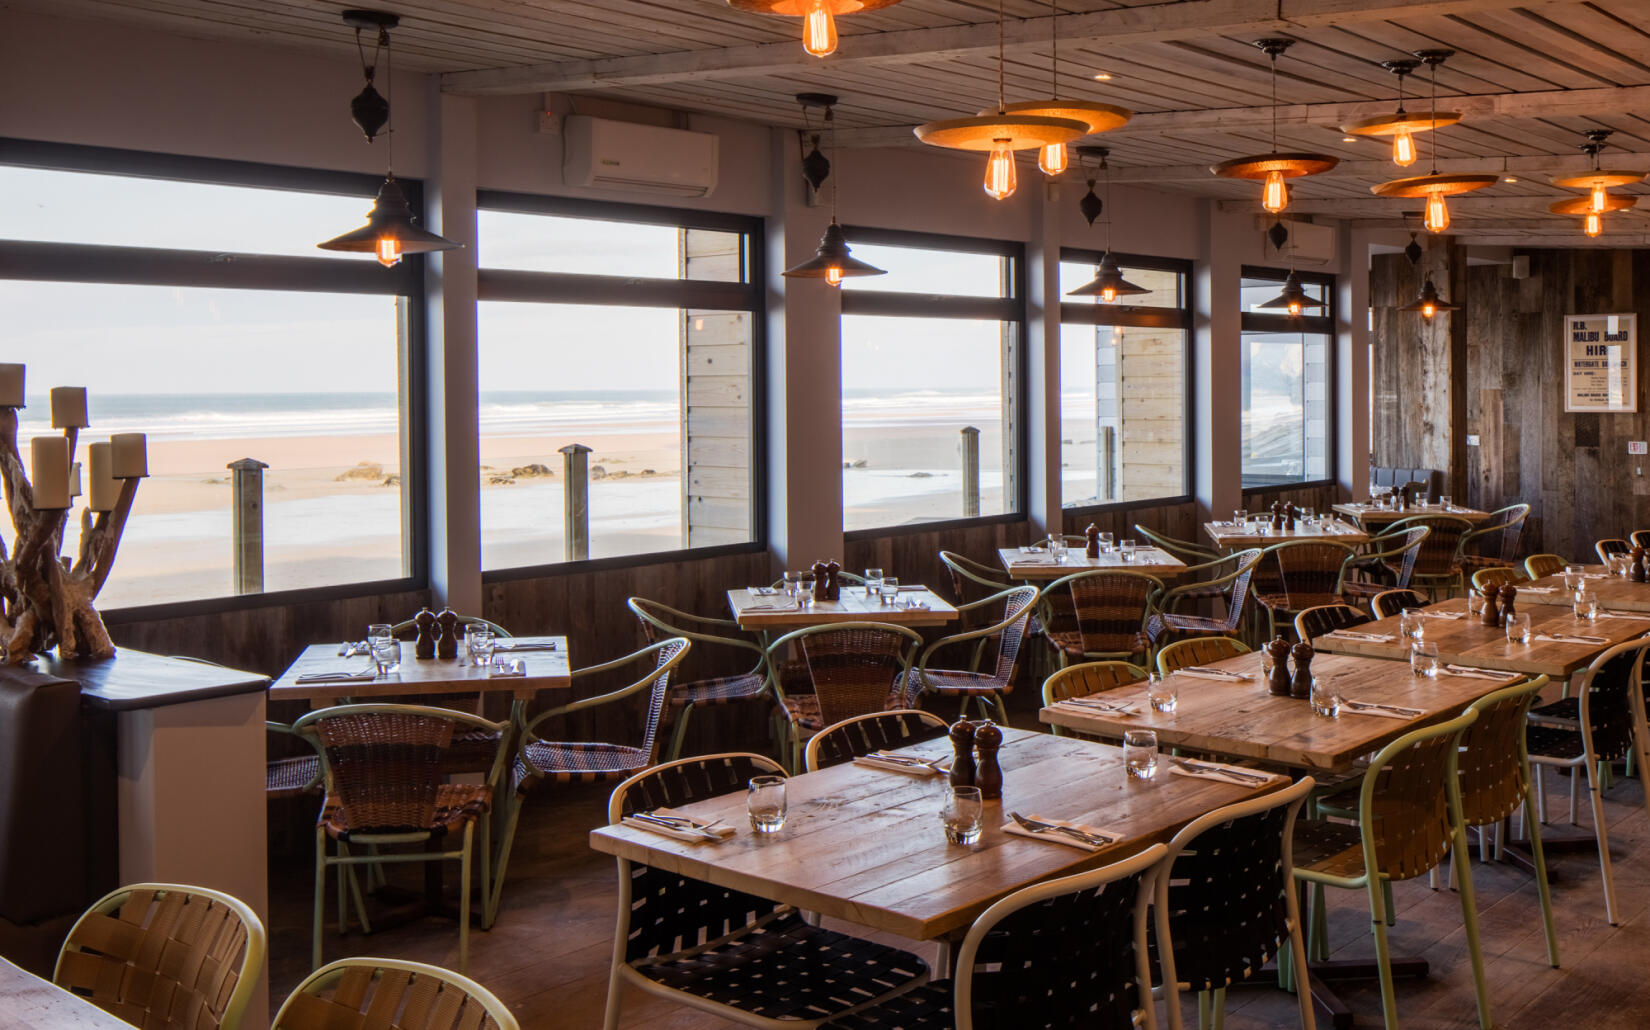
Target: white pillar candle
(105, 487)
(130, 456)
(11, 386)
(69, 407)
(74, 480)
(49, 472)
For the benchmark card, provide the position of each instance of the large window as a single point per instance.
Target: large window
(1124, 426)
(189, 299)
(1288, 402)
(931, 380)
(631, 333)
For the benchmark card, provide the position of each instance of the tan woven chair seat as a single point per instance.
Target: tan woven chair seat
(1072, 643)
(803, 709)
(1473, 562)
(1185, 623)
(1327, 847)
(288, 777)
(571, 762)
(455, 805)
(961, 681)
(721, 690)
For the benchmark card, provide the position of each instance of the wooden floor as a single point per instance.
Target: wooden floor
(548, 955)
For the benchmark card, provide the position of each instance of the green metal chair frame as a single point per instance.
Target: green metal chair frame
(1070, 584)
(1233, 585)
(354, 994)
(1018, 604)
(1186, 550)
(1608, 546)
(1433, 569)
(1388, 603)
(1381, 553)
(659, 618)
(1538, 565)
(969, 577)
(1198, 651)
(1326, 618)
(788, 731)
(1092, 678)
(1509, 522)
(1274, 554)
(874, 730)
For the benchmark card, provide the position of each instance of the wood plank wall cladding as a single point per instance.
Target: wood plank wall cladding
(1317, 496)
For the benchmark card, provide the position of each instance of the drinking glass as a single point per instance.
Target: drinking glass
(478, 643)
(805, 588)
(1412, 624)
(1586, 606)
(1126, 546)
(1446, 502)
(1323, 698)
(1240, 516)
(1423, 659)
(1106, 543)
(1057, 548)
(1308, 516)
(765, 801)
(386, 654)
(1618, 565)
(1518, 629)
(791, 581)
(1140, 754)
(1575, 576)
(1162, 692)
(873, 582)
(888, 590)
(1265, 665)
(1421, 498)
(960, 813)
(1475, 604)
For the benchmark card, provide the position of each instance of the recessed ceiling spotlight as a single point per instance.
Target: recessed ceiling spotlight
(1510, 178)
(1349, 139)
(1102, 76)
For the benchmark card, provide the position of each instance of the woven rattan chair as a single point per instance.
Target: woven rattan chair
(1198, 651)
(542, 762)
(1497, 575)
(474, 749)
(294, 775)
(391, 994)
(1327, 618)
(854, 668)
(163, 955)
(970, 582)
(1608, 718)
(1225, 899)
(1388, 603)
(1068, 952)
(1230, 580)
(1296, 575)
(738, 956)
(1495, 541)
(1538, 565)
(384, 767)
(718, 641)
(1437, 564)
(1409, 820)
(1605, 548)
(1089, 678)
(1109, 610)
(1388, 563)
(1187, 551)
(964, 685)
(863, 734)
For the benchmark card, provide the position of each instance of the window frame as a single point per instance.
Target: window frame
(523, 286)
(36, 261)
(1139, 317)
(1010, 309)
(1317, 325)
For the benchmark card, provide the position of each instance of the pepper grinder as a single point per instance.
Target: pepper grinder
(424, 646)
(989, 776)
(1508, 594)
(1301, 685)
(1277, 515)
(1637, 572)
(1279, 682)
(446, 644)
(1092, 534)
(833, 574)
(962, 753)
(1492, 609)
(822, 589)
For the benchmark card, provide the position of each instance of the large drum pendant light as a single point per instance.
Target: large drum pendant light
(1597, 183)
(1434, 187)
(1401, 125)
(1275, 167)
(818, 17)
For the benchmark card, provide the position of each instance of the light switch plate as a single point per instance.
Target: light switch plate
(1472, 439)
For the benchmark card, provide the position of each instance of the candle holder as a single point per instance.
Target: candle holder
(47, 596)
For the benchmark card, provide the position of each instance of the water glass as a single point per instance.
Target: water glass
(1106, 543)
(1140, 754)
(1162, 692)
(1057, 548)
(1586, 606)
(1240, 517)
(380, 639)
(1618, 564)
(805, 588)
(1518, 629)
(1308, 516)
(1323, 698)
(1412, 624)
(1446, 502)
(888, 590)
(960, 813)
(791, 581)
(1475, 604)
(873, 582)
(765, 801)
(478, 643)
(1126, 548)
(1423, 659)
(1575, 576)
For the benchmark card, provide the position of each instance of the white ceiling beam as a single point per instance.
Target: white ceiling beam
(1532, 168)
(1118, 27)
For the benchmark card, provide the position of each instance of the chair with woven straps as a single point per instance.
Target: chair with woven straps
(1068, 952)
(165, 955)
(1326, 618)
(738, 956)
(391, 994)
(1229, 581)
(1296, 575)
(1109, 611)
(1387, 563)
(1198, 651)
(1496, 576)
(1388, 603)
(1639, 538)
(1538, 565)
(1086, 679)
(879, 731)
(384, 767)
(853, 668)
(1409, 820)
(1226, 902)
(718, 643)
(474, 749)
(1187, 551)
(542, 763)
(963, 685)
(1494, 541)
(1612, 545)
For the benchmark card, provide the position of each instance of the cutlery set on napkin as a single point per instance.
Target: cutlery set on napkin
(902, 762)
(1204, 672)
(366, 675)
(1059, 831)
(679, 827)
(1475, 672)
(1373, 638)
(1571, 638)
(1234, 774)
(1384, 711)
(1094, 704)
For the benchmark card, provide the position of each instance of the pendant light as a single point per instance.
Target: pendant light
(832, 262)
(1432, 186)
(1108, 283)
(1429, 303)
(390, 231)
(1401, 125)
(1053, 158)
(1292, 297)
(1275, 167)
(1001, 133)
(1597, 183)
(1592, 222)
(818, 17)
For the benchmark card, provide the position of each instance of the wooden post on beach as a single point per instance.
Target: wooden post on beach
(1108, 463)
(247, 524)
(971, 471)
(576, 500)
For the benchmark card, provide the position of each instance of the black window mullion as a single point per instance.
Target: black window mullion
(154, 266)
(504, 284)
(920, 305)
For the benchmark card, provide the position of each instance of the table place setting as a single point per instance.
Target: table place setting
(1475, 672)
(366, 675)
(1206, 672)
(1571, 638)
(1375, 708)
(1095, 704)
(1059, 831)
(902, 762)
(506, 668)
(1233, 774)
(524, 645)
(1537, 590)
(351, 648)
(1610, 614)
(1373, 638)
(1452, 616)
(679, 827)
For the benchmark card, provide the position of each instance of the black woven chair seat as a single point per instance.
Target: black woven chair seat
(1553, 742)
(289, 776)
(957, 682)
(803, 709)
(1163, 622)
(1326, 847)
(787, 969)
(580, 762)
(721, 690)
(1566, 708)
(928, 1007)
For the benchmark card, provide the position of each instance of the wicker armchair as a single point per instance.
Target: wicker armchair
(1296, 575)
(358, 994)
(981, 687)
(540, 761)
(1187, 551)
(1231, 582)
(1327, 618)
(1611, 545)
(854, 668)
(293, 775)
(1437, 565)
(1198, 651)
(1225, 901)
(1069, 952)
(384, 766)
(738, 956)
(1388, 603)
(1538, 565)
(970, 582)
(713, 639)
(166, 955)
(863, 734)
(1388, 564)
(1109, 609)
(1495, 541)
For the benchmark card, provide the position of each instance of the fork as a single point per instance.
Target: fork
(681, 822)
(1210, 769)
(1395, 709)
(1038, 826)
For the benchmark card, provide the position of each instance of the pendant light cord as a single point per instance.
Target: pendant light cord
(1002, 93)
(1274, 103)
(1432, 133)
(1053, 49)
(836, 172)
(389, 95)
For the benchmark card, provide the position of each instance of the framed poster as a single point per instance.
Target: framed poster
(1601, 363)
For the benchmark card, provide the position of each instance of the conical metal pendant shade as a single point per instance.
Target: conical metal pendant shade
(1108, 282)
(391, 218)
(1292, 298)
(1429, 303)
(833, 256)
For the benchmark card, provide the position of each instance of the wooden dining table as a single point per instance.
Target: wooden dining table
(1032, 564)
(866, 846)
(545, 659)
(775, 611)
(1234, 536)
(1613, 592)
(1373, 517)
(29, 1002)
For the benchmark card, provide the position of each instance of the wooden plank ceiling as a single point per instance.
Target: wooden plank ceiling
(1531, 76)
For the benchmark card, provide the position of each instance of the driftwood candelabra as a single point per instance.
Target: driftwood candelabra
(46, 596)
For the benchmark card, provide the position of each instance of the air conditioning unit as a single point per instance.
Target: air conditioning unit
(1308, 244)
(615, 155)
